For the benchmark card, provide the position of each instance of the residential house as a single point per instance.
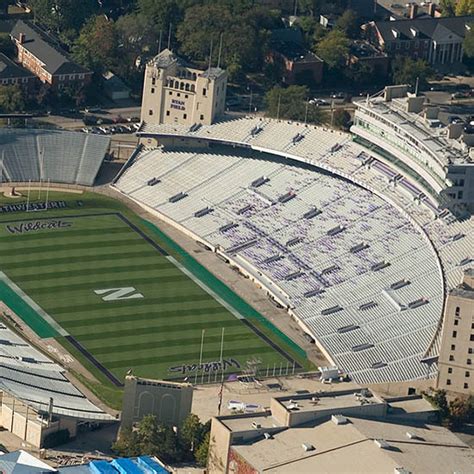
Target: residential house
(114, 87)
(13, 74)
(362, 52)
(437, 40)
(300, 66)
(41, 54)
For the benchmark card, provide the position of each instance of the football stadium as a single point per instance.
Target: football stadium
(360, 255)
(103, 282)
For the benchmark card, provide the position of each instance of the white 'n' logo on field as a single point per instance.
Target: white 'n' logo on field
(114, 294)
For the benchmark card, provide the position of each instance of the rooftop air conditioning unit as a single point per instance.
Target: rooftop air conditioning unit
(381, 443)
(307, 447)
(411, 435)
(339, 420)
(256, 425)
(267, 435)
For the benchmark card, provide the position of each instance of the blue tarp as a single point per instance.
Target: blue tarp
(101, 467)
(126, 466)
(151, 465)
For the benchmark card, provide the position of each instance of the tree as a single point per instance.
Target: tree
(63, 15)
(191, 431)
(448, 7)
(465, 7)
(334, 49)
(469, 42)
(204, 25)
(341, 119)
(461, 411)
(292, 103)
(348, 23)
(407, 71)
(11, 99)
(96, 47)
(202, 451)
(160, 13)
(360, 73)
(152, 438)
(135, 35)
(128, 444)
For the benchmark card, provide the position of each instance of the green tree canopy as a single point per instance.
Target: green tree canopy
(406, 71)
(96, 46)
(204, 24)
(333, 49)
(348, 23)
(465, 7)
(63, 15)
(469, 42)
(448, 7)
(11, 99)
(149, 437)
(292, 103)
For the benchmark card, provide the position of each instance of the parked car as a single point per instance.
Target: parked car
(455, 119)
(318, 102)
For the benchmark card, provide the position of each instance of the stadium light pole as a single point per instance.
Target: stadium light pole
(41, 153)
(28, 196)
(222, 353)
(200, 356)
(47, 194)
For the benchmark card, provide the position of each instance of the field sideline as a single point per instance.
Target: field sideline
(119, 300)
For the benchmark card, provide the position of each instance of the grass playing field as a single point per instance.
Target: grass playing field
(122, 296)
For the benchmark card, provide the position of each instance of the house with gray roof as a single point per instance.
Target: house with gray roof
(436, 40)
(12, 73)
(41, 53)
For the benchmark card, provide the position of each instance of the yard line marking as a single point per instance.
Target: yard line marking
(208, 290)
(41, 312)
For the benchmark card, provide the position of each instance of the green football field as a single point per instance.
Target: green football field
(120, 295)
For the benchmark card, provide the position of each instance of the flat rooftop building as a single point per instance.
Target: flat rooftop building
(343, 431)
(404, 130)
(456, 355)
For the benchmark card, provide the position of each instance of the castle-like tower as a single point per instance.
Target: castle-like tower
(174, 93)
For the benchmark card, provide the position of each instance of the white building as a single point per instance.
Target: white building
(174, 93)
(405, 132)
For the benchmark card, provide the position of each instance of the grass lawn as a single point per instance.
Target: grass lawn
(72, 265)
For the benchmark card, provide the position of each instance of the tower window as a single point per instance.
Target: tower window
(150, 112)
(204, 92)
(167, 113)
(152, 90)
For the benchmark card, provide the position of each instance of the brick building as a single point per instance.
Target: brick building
(436, 40)
(299, 65)
(13, 74)
(41, 54)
